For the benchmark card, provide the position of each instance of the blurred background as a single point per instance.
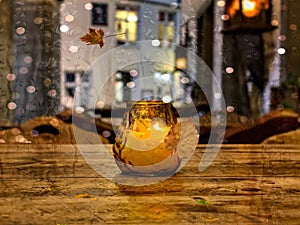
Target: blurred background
(251, 47)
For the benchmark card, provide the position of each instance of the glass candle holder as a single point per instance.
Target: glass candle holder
(147, 139)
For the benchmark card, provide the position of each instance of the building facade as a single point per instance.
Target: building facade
(29, 60)
(132, 22)
(242, 42)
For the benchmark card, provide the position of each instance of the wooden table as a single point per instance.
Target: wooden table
(246, 184)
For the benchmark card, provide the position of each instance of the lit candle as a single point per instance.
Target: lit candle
(147, 134)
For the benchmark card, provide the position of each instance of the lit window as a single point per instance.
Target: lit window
(126, 22)
(250, 8)
(166, 26)
(255, 15)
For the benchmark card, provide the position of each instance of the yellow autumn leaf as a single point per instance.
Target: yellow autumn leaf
(94, 37)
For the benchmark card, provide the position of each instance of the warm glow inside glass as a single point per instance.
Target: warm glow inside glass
(147, 139)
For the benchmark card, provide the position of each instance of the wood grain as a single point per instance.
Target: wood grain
(246, 184)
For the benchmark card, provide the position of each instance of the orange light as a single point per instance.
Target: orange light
(250, 8)
(234, 7)
(181, 63)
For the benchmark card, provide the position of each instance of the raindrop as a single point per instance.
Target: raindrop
(225, 17)
(106, 134)
(275, 22)
(221, 3)
(11, 105)
(281, 51)
(73, 49)
(155, 43)
(23, 70)
(64, 28)
(282, 37)
(230, 108)
(185, 80)
(88, 6)
(229, 70)
(293, 27)
(38, 20)
(30, 89)
(47, 82)
(28, 59)
(130, 84)
(69, 18)
(52, 93)
(133, 73)
(34, 133)
(20, 30)
(79, 110)
(167, 99)
(11, 76)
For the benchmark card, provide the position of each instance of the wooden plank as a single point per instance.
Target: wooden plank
(246, 184)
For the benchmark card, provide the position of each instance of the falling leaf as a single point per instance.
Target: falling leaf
(94, 37)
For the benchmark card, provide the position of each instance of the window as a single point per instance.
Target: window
(123, 84)
(166, 26)
(99, 14)
(70, 77)
(126, 22)
(253, 15)
(76, 85)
